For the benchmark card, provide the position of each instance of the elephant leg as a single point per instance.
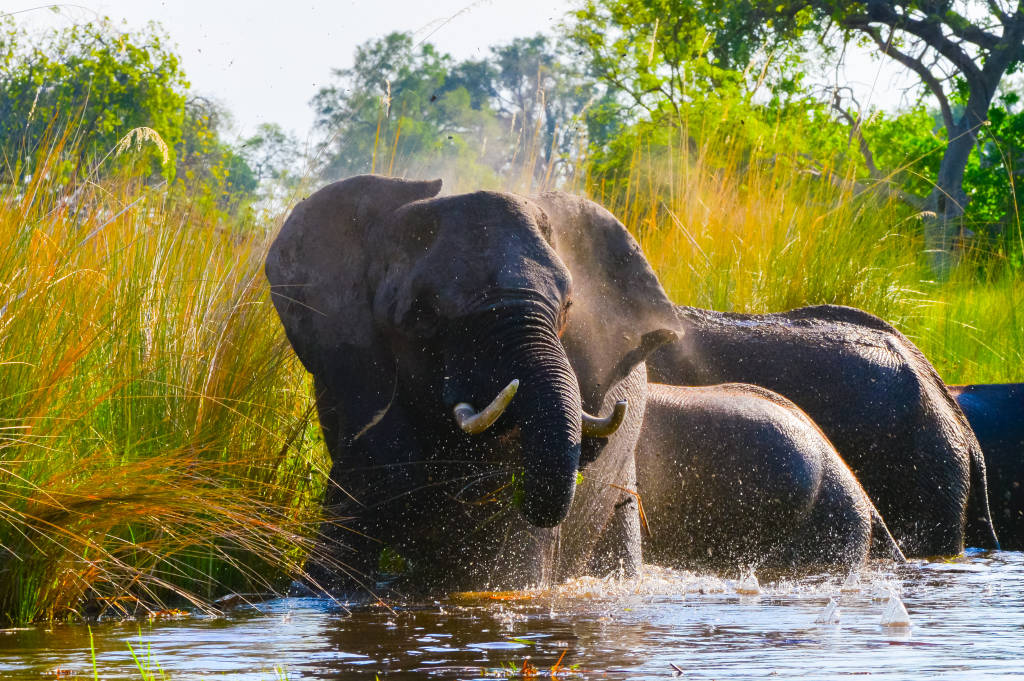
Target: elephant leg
(368, 498)
(344, 559)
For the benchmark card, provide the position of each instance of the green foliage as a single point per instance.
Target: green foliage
(995, 177)
(94, 79)
(662, 54)
(103, 88)
(211, 171)
(406, 108)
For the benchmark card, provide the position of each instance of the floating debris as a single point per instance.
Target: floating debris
(748, 586)
(169, 614)
(895, 614)
(830, 615)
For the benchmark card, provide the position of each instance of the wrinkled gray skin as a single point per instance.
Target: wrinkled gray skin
(996, 414)
(734, 477)
(403, 305)
(872, 392)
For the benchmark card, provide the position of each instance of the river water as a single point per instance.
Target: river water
(966, 621)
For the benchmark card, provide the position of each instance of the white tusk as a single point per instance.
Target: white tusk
(598, 427)
(473, 422)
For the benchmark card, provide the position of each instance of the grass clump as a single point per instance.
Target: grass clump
(156, 432)
(731, 229)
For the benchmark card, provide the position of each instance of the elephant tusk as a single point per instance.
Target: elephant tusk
(473, 422)
(598, 427)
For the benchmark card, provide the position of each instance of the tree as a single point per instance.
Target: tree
(515, 113)
(662, 55)
(390, 104)
(960, 51)
(210, 167)
(542, 98)
(94, 83)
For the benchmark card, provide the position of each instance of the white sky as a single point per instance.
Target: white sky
(266, 59)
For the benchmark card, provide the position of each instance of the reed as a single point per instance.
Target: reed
(156, 432)
(726, 231)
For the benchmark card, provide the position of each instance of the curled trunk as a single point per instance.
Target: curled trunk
(546, 408)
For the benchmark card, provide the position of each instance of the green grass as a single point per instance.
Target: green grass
(156, 433)
(730, 234)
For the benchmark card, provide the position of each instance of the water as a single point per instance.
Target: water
(967, 621)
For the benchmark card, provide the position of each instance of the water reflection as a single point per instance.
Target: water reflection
(967, 619)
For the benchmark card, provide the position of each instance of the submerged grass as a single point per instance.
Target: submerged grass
(732, 234)
(155, 429)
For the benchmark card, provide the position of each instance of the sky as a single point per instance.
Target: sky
(266, 59)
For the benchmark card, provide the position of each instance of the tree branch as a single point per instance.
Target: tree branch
(998, 11)
(855, 131)
(928, 31)
(965, 30)
(915, 65)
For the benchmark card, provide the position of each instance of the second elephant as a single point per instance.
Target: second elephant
(734, 477)
(872, 392)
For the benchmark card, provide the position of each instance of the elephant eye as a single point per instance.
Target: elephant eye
(422, 319)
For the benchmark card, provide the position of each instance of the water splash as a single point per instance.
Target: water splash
(851, 584)
(830, 615)
(748, 586)
(895, 613)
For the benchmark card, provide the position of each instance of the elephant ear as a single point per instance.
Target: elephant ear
(317, 266)
(620, 313)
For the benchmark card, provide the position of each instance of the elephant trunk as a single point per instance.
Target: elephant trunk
(550, 435)
(546, 408)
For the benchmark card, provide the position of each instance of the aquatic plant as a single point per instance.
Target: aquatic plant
(156, 435)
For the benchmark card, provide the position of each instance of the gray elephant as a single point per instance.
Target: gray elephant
(735, 477)
(457, 345)
(996, 414)
(875, 396)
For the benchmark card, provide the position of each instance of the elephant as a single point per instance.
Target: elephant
(458, 346)
(875, 396)
(736, 477)
(996, 413)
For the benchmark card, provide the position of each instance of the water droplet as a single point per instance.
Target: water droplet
(749, 586)
(830, 615)
(895, 614)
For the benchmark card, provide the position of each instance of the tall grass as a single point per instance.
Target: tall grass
(156, 437)
(729, 233)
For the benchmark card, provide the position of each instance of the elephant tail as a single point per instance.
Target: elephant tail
(883, 545)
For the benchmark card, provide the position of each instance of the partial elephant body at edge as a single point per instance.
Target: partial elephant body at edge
(996, 414)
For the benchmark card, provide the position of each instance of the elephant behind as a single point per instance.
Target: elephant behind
(872, 392)
(457, 344)
(734, 477)
(996, 414)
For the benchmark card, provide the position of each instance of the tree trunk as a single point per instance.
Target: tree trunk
(948, 200)
(947, 203)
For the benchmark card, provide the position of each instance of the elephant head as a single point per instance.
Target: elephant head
(403, 302)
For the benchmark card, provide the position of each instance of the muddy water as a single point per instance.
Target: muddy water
(966, 621)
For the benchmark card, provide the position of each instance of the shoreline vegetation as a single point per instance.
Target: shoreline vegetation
(158, 438)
